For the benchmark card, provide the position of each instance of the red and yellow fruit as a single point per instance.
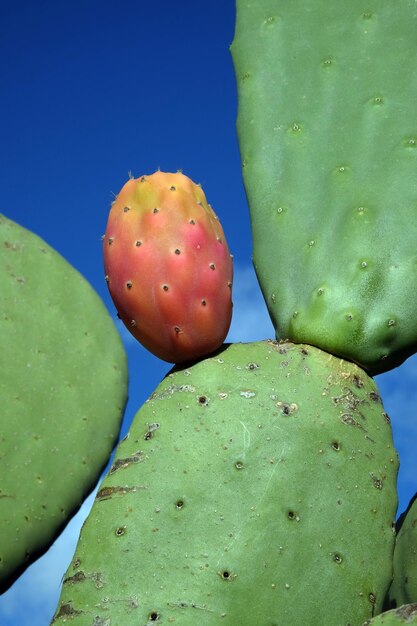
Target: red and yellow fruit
(168, 267)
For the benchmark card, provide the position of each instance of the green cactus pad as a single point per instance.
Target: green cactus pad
(327, 128)
(406, 614)
(404, 586)
(255, 487)
(63, 390)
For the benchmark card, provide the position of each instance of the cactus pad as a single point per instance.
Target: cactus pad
(328, 138)
(63, 390)
(254, 487)
(405, 614)
(404, 587)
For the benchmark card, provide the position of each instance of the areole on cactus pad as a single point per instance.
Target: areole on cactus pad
(168, 266)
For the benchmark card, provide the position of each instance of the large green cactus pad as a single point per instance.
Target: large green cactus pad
(327, 128)
(255, 487)
(404, 586)
(62, 389)
(406, 614)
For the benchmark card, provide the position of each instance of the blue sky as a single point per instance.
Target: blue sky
(90, 91)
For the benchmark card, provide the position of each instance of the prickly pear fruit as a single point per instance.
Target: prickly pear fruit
(405, 614)
(328, 142)
(168, 266)
(257, 486)
(63, 389)
(404, 585)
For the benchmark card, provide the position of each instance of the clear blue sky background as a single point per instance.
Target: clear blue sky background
(91, 90)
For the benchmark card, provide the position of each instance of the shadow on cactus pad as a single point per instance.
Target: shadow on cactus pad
(63, 387)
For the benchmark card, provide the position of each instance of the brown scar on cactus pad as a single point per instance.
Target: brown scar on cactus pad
(162, 232)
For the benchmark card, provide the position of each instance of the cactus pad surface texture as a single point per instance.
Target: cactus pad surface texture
(404, 587)
(168, 266)
(257, 486)
(405, 614)
(327, 127)
(63, 389)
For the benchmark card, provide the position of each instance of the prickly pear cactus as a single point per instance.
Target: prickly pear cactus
(168, 266)
(404, 586)
(406, 614)
(255, 487)
(328, 139)
(63, 389)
